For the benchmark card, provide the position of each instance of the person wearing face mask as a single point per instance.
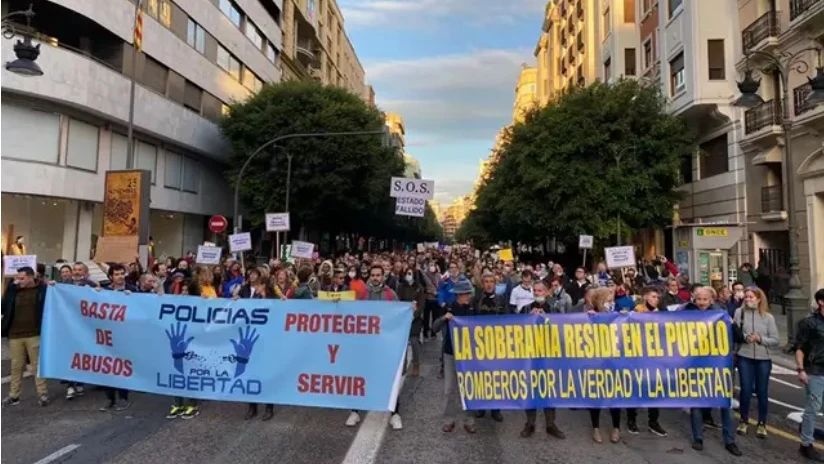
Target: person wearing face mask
(737, 299)
(671, 298)
(409, 289)
(356, 282)
(623, 300)
(558, 299)
(521, 295)
(541, 305)
(754, 360)
(431, 280)
(603, 300)
(558, 271)
(488, 303)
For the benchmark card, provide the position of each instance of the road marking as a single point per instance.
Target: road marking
(780, 403)
(58, 454)
(784, 434)
(7, 378)
(781, 370)
(789, 384)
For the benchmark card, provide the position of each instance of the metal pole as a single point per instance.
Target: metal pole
(618, 219)
(130, 158)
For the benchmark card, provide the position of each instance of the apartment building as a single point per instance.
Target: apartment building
(791, 27)
(619, 40)
(63, 130)
(525, 93)
(315, 46)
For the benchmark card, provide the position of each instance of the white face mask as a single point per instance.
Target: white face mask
(410, 278)
(540, 299)
(432, 269)
(352, 274)
(739, 295)
(610, 306)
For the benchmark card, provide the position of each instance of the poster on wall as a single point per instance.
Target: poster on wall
(126, 204)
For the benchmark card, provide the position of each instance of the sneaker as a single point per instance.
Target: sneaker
(742, 429)
(122, 405)
(353, 419)
(761, 431)
(395, 422)
(107, 407)
(11, 401)
(698, 445)
(632, 427)
(190, 412)
(711, 424)
(655, 428)
(70, 393)
(733, 449)
(43, 401)
(554, 431)
(174, 412)
(809, 452)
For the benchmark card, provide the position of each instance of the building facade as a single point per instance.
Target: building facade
(619, 40)
(526, 93)
(63, 130)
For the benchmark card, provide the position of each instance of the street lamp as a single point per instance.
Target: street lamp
(784, 63)
(25, 51)
(289, 157)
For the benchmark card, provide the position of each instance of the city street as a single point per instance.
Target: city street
(76, 432)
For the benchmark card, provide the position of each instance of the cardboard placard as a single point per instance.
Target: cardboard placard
(302, 249)
(505, 255)
(116, 249)
(208, 255)
(618, 257)
(342, 296)
(277, 222)
(240, 242)
(12, 263)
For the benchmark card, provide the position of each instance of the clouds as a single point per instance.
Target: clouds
(406, 13)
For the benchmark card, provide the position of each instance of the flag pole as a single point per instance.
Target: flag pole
(137, 42)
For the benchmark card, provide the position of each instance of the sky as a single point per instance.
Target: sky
(449, 68)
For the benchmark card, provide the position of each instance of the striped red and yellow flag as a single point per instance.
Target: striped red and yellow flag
(138, 26)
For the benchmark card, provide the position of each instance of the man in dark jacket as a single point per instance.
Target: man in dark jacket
(809, 358)
(409, 289)
(541, 305)
(579, 286)
(22, 311)
(488, 303)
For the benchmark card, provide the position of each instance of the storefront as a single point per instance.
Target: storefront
(702, 251)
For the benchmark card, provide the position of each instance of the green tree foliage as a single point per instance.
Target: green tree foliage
(338, 184)
(577, 165)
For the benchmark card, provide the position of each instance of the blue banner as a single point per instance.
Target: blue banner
(301, 352)
(634, 360)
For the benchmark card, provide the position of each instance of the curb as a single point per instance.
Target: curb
(794, 423)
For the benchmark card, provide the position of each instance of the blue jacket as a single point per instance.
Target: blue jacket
(445, 295)
(624, 303)
(732, 305)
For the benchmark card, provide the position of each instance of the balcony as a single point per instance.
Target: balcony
(580, 41)
(772, 203)
(799, 96)
(579, 11)
(800, 7)
(762, 33)
(765, 115)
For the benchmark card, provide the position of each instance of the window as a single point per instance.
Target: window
(686, 169)
(191, 97)
(229, 63)
(231, 11)
(646, 6)
(29, 134)
(674, 7)
(608, 70)
(629, 61)
(224, 109)
(160, 10)
(191, 177)
(254, 35)
(173, 170)
(83, 140)
(629, 11)
(196, 36)
(607, 24)
(250, 81)
(147, 158)
(211, 107)
(120, 150)
(154, 75)
(271, 52)
(677, 75)
(648, 53)
(713, 159)
(715, 57)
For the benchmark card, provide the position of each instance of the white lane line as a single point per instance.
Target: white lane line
(789, 384)
(781, 370)
(58, 454)
(7, 378)
(780, 403)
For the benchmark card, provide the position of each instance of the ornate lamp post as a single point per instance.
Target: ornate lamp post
(25, 51)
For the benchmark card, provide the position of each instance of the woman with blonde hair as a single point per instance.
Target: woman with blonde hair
(282, 283)
(754, 361)
(603, 301)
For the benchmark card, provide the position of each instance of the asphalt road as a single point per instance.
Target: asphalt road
(76, 432)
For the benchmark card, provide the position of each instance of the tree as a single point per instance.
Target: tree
(598, 159)
(338, 184)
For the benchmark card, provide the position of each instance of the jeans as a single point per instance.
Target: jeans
(19, 349)
(815, 391)
(697, 422)
(454, 405)
(754, 373)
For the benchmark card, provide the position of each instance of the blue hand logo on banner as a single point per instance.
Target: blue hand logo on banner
(178, 344)
(243, 348)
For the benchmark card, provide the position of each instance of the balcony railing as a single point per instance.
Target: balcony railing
(580, 41)
(798, 7)
(772, 199)
(766, 114)
(800, 94)
(766, 26)
(580, 11)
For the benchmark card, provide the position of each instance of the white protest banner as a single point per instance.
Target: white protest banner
(447, 249)
(432, 245)
(14, 262)
(208, 255)
(240, 242)
(421, 248)
(209, 244)
(277, 222)
(302, 249)
(415, 207)
(622, 256)
(412, 188)
(585, 242)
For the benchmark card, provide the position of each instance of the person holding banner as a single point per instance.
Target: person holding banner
(542, 305)
(462, 306)
(603, 301)
(117, 398)
(409, 289)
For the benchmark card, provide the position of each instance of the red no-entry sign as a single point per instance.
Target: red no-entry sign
(218, 224)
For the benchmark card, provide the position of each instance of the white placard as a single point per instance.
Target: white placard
(240, 242)
(447, 249)
(14, 262)
(208, 254)
(277, 222)
(622, 256)
(585, 242)
(209, 244)
(415, 207)
(412, 188)
(302, 249)
(421, 248)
